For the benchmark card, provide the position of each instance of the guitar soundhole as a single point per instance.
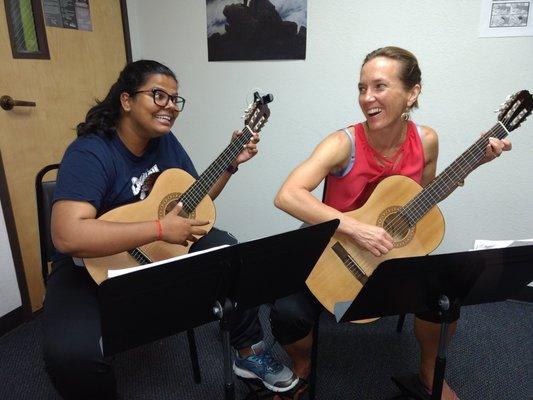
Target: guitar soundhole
(169, 202)
(396, 225)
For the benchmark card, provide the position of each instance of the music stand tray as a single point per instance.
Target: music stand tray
(441, 283)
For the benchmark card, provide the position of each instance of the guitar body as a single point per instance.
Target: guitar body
(332, 280)
(167, 190)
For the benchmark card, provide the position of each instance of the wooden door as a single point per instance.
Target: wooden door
(82, 66)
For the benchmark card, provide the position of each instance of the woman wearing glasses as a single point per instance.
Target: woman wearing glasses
(122, 146)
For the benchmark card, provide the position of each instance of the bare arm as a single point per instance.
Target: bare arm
(430, 144)
(76, 232)
(295, 196)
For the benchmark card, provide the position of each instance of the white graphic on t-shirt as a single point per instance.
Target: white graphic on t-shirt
(137, 183)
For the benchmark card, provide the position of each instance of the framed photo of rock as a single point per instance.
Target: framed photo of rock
(250, 30)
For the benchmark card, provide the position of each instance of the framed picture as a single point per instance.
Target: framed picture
(27, 33)
(256, 29)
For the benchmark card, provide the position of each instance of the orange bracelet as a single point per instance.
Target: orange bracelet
(159, 230)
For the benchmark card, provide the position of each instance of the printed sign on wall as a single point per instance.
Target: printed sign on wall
(71, 14)
(506, 18)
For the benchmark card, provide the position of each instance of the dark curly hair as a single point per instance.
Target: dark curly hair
(101, 119)
(410, 73)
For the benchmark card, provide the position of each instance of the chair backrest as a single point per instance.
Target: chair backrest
(44, 190)
(324, 188)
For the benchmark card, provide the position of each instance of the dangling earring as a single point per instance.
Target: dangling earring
(405, 115)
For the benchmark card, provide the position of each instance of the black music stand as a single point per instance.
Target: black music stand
(443, 283)
(174, 296)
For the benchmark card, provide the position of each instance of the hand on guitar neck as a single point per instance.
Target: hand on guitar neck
(495, 148)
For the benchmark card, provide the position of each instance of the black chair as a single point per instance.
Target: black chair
(314, 349)
(44, 190)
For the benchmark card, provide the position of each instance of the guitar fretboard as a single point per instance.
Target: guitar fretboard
(448, 180)
(199, 189)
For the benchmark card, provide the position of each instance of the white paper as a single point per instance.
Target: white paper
(481, 244)
(117, 272)
(500, 18)
(498, 244)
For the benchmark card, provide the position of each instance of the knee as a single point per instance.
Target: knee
(77, 373)
(290, 323)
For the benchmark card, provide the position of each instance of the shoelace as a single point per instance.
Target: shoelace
(268, 359)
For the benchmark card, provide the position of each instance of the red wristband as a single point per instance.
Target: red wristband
(159, 230)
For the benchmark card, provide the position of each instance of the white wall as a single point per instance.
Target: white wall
(9, 291)
(465, 78)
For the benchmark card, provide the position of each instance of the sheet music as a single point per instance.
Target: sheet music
(118, 272)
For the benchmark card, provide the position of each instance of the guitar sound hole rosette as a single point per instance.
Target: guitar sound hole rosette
(397, 226)
(169, 202)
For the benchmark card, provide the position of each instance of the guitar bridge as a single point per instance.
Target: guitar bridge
(140, 256)
(350, 263)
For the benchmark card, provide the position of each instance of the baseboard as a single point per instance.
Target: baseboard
(12, 319)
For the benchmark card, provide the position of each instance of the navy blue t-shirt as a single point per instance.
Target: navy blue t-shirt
(102, 171)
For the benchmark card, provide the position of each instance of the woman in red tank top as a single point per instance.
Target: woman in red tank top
(355, 160)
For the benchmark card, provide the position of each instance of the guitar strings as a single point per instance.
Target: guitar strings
(199, 189)
(443, 185)
(446, 182)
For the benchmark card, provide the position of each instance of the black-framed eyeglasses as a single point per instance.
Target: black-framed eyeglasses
(161, 98)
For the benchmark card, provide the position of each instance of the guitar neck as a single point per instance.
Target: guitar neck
(447, 181)
(199, 189)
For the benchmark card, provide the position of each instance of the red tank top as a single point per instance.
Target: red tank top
(352, 190)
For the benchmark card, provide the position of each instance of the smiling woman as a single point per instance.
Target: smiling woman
(355, 160)
(123, 145)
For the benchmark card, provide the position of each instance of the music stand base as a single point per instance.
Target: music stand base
(410, 388)
(258, 391)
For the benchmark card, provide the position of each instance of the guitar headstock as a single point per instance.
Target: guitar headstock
(257, 113)
(515, 109)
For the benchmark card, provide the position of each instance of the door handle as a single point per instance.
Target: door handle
(7, 103)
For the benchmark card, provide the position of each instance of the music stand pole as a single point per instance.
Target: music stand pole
(440, 360)
(223, 313)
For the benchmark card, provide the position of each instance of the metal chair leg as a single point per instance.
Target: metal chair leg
(314, 358)
(399, 325)
(193, 352)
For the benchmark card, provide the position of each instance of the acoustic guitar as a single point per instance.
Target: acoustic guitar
(407, 212)
(172, 186)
